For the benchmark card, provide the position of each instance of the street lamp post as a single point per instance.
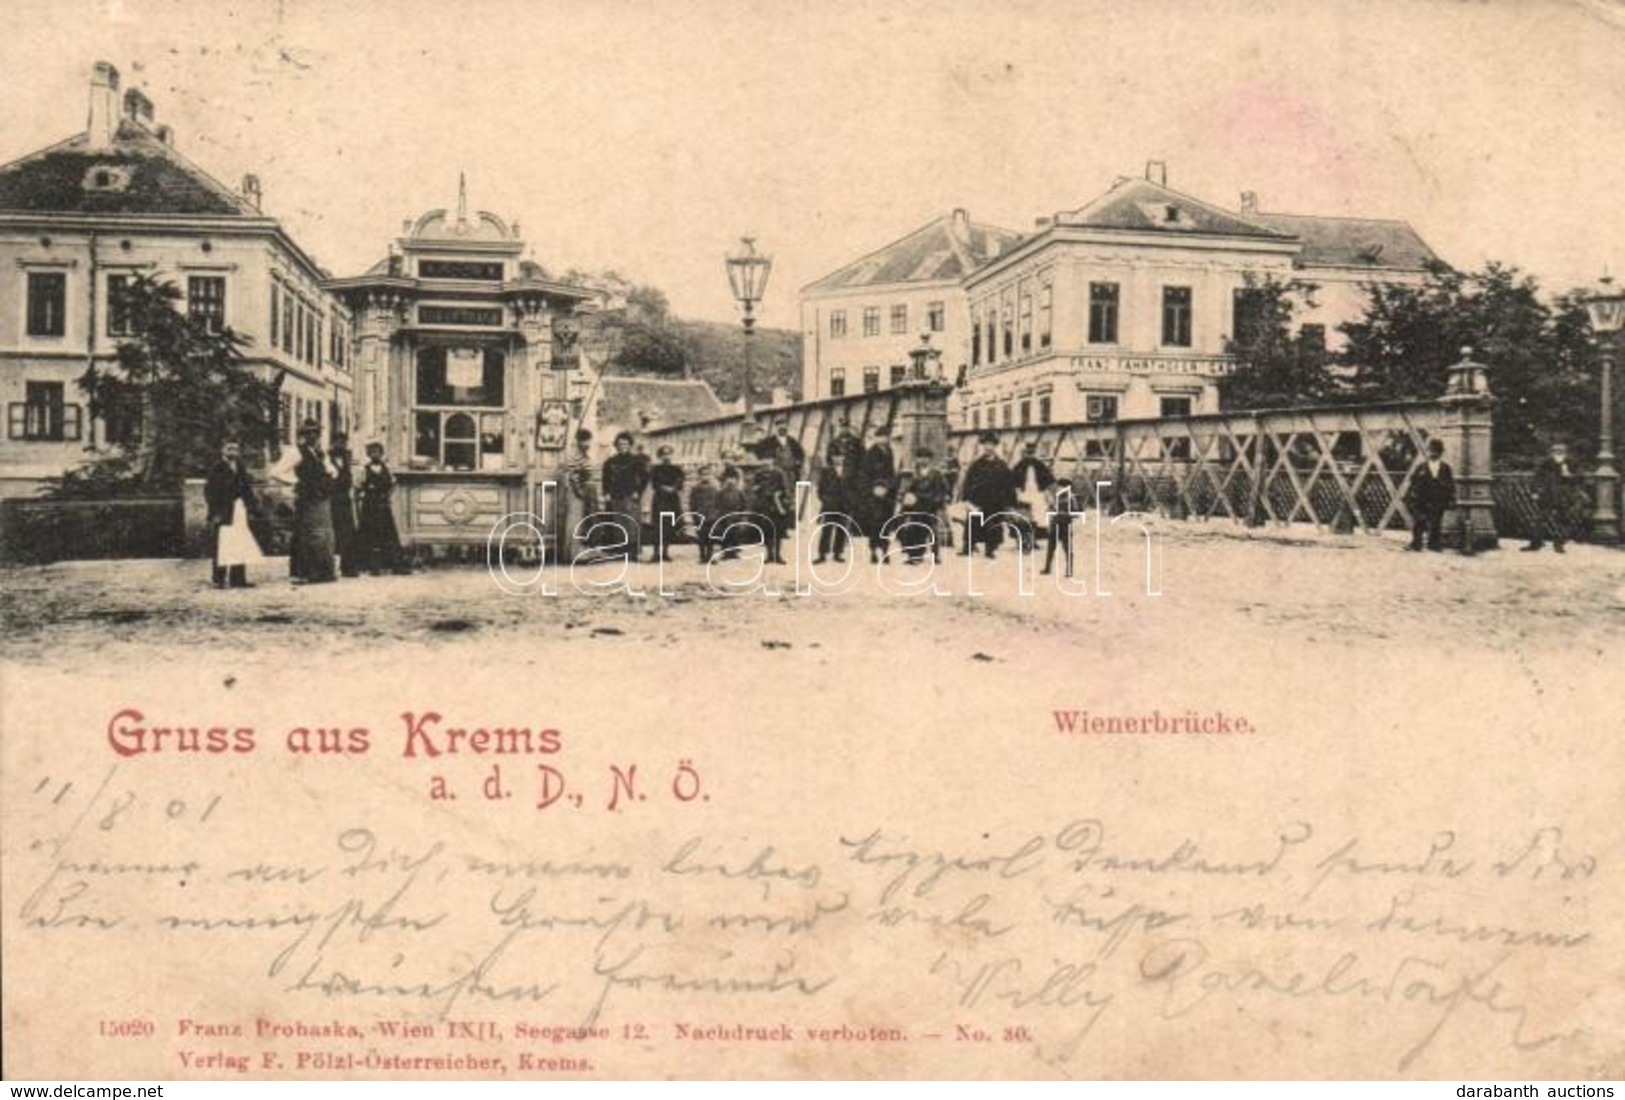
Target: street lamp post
(1607, 309)
(747, 275)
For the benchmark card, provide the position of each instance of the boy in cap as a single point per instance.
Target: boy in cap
(731, 505)
(1062, 512)
(704, 508)
(924, 497)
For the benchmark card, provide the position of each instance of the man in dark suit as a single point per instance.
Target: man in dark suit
(1033, 479)
(228, 483)
(1554, 481)
(990, 488)
(877, 493)
(1433, 489)
(845, 445)
(784, 451)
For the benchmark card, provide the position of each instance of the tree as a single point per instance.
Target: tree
(1539, 355)
(1274, 367)
(180, 388)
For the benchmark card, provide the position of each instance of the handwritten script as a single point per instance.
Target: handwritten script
(1055, 940)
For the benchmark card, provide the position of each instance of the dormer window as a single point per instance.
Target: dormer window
(1170, 214)
(106, 177)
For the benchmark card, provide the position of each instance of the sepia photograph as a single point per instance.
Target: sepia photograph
(747, 541)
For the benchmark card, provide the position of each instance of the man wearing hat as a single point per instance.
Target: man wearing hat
(665, 502)
(1433, 489)
(1033, 479)
(1554, 480)
(990, 488)
(845, 445)
(877, 490)
(783, 450)
(583, 486)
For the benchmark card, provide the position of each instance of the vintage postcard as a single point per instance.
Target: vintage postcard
(1076, 626)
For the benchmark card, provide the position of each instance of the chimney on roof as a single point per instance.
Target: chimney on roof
(1042, 223)
(103, 105)
(1249, 202)
(251, 190)
(166, 134)
(1157, 172)
(961, 225)
(138, 108)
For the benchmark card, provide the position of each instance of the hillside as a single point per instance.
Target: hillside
(715, 353)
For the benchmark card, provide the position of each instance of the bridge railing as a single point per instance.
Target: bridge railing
(1345, 467)
(1334, 466)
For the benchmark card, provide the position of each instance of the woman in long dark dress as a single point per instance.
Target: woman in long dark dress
(344, 528)
(379, 541)
(666, 503)
(310, 558)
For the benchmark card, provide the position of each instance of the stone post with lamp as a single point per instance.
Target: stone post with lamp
(1607, 310)
(1467, 433)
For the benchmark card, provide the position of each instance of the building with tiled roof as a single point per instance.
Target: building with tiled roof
(859, 322)
(1123, 307)
(80, 217)
(1343, 257)
(643, 404)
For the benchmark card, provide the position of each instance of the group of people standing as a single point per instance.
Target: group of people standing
(343, 521)
(864, 493)
(759, 495)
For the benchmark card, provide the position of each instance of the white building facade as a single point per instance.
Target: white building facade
(79, 218)
(859, 323)
(1121, 309)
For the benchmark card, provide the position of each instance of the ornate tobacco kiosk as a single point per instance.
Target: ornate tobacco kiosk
(462, 372)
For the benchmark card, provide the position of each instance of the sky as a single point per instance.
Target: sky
(648, 137)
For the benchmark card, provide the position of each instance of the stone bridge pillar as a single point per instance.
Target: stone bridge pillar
(922, 420)
(1466, 432)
